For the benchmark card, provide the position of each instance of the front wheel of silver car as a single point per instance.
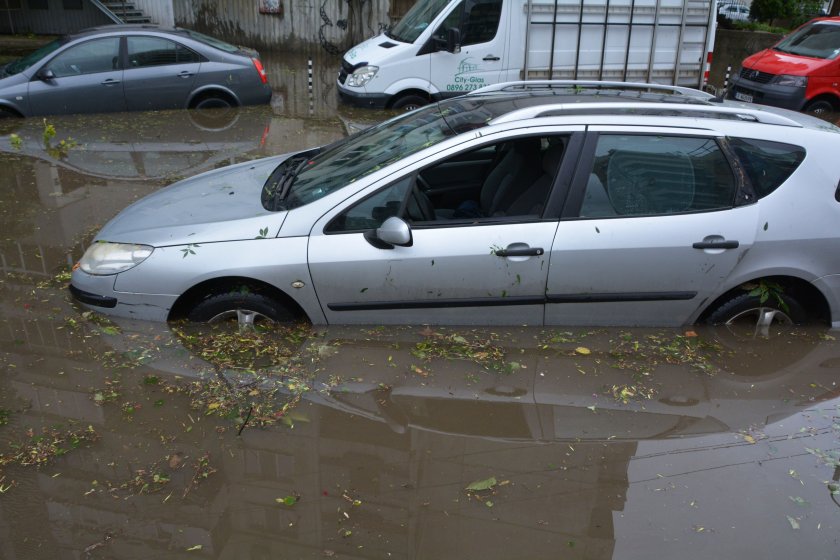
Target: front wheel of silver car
(746, 312)
(247, 308)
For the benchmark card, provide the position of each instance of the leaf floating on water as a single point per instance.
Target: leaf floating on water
(488, 503)
(794, 524)
(749, 439)
(801, 502)
(287, 501)
(583, 350)
(592, 408)
(192, 548)
(480, 485)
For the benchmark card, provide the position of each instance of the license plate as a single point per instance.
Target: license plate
(743, 97)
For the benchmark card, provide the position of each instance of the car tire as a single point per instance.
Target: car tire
(228, 305)
(409, 102)
(820, 107)
(748, 310)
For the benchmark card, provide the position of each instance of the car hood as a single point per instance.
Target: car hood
(777, 62)
(220, 205)
(378, 51)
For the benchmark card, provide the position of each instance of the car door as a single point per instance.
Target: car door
(651, 231)
(460, 268)
(85, 78)
(159, 73)
(480, 60)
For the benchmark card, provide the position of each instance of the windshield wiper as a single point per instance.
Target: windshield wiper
(284, 182)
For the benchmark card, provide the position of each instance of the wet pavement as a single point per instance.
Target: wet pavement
(133, 440)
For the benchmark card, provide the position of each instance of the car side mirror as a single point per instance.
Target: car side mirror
(453, 40)
(46, 75)
(393, 231)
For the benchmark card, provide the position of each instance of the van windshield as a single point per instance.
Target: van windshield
(416, 20)
(818, 39)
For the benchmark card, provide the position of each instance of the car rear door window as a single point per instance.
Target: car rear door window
(767, 164)
(90, 57)
(154, 51)
(643, 175)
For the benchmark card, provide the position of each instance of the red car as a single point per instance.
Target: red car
(800, 72)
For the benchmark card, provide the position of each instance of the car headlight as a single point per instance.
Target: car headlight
(793, 81)
(104, 258)
(361, 76)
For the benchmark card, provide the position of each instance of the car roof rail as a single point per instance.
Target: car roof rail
(648, 109)
(526, 85)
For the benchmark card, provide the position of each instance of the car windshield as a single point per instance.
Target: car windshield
(211, 41)
(818, 39)
(417, 19)
(21, 64)
(348, 160)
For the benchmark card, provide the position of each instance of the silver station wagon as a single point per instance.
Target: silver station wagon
(525, 203)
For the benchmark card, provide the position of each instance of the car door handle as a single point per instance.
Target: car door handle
(110, 82)
(723, 244)
(186, 74)
(519, 252)
(490, 57)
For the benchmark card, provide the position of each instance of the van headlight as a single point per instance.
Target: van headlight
(104, 258)
(361, 76)
(793, 81)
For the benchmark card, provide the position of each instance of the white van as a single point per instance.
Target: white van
(442, 48)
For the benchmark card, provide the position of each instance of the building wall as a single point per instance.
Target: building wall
(331, 25)
(731, 47)
(161, 11)
(52, 21)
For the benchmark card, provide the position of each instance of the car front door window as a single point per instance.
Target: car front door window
(91, 57)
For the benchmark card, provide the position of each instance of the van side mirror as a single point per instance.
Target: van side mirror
(453, 40)
(393, 231)
(45, 75)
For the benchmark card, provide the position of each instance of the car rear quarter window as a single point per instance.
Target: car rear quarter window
(644, 175)
(767, 164)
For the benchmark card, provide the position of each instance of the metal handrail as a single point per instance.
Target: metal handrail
(525, 85)
(105, 10)
(695, 111)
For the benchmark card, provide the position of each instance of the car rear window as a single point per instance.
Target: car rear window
(767, 164)
(211, 41)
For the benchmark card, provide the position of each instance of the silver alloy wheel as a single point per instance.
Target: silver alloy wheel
(762, 318)
(245, 318)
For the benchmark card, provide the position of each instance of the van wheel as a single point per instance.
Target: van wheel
(409, 102)
(247, 308)
(819, 107)
(746, 311)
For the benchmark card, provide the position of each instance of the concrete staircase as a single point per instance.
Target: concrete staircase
(126, 12)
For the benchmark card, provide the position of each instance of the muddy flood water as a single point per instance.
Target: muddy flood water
(138, 441)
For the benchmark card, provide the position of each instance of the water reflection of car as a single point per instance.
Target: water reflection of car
(531, 203)
(168, 144)
(132, 68)
(549, 399)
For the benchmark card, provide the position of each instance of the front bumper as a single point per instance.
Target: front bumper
(97, 293)
(358, 99)
(786, 97)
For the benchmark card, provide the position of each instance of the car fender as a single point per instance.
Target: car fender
(6, 104)
(211, 87)
(410, 84)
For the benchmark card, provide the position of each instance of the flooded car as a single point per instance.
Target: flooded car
(530, 204)
(132, 68)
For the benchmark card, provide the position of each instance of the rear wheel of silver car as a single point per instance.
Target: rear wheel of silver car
(246, 308)
(747, 312)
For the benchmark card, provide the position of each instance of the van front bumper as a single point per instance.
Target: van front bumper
(358, 99)
(786, 97)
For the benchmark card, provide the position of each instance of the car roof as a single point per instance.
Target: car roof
(119, 28)
(512, 101)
